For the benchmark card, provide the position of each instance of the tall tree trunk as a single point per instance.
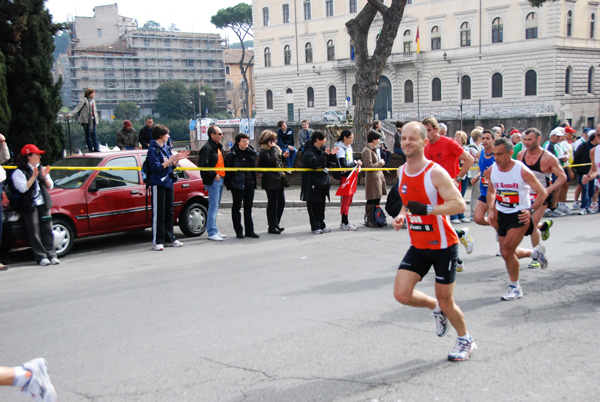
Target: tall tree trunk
(369, 68)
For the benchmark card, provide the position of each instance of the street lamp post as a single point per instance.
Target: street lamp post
(460, 94)
(200, 95)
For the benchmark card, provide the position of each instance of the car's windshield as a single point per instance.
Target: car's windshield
(72, 178)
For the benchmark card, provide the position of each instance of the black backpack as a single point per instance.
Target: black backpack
(14, 196)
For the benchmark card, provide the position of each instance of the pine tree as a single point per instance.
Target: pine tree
(33, 98)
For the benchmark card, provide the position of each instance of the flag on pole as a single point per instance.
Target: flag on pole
(418, 41)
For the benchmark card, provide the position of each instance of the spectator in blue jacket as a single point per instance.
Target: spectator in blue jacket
(161, 162)
(285, 141)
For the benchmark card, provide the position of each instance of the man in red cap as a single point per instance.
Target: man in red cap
(33, 181)
(127, 136)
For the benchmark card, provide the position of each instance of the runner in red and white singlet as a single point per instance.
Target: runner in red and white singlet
(429, 196)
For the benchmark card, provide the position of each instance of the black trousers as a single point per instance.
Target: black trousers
(275, 206)
(162, 215)
(240, 197)
(316, 214)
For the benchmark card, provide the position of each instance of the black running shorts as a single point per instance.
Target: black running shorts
(444, 263)
(511, 221)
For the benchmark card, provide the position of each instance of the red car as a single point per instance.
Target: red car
(96, 202)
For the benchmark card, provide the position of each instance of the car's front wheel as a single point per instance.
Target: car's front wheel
(192, 220)
(64, 236)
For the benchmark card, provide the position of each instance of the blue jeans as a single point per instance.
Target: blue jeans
(291, 158)
(398, 151)
(463, 190)
(90, 137)
(587, 192)
(214, 200)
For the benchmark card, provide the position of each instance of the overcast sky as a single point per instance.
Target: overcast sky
(189, 16)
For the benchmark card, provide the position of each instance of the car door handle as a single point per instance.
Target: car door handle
(185, 185)
(134, 192)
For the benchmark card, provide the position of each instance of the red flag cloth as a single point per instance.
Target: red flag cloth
(348, 187)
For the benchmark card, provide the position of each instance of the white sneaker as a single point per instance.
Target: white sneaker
(158, 247)
(44, 262)
(175, 243)
(455, 221)
(462, 350)
(513, 293)
(215, 237)
(465, 220)
(347, 226)
(441, 323)
(39, 386)
(318, 231)
(576, 205)
(224, 236)
(54, 261)
(467, 240)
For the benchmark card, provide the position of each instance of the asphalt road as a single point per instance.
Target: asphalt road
(299, 317)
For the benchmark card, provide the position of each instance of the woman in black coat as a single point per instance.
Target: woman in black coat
(315, 185)
(270, 156)
(241, 185)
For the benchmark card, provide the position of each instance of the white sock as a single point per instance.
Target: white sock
(534, 254)
(22, 377)
(515, 284)
(437, 308)
(466, 337)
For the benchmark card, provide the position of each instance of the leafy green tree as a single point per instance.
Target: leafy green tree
(173, 28)
(173, 100)
(126, 110)
(151, 26)
(27, 35)
(5, 115)
(239, 19)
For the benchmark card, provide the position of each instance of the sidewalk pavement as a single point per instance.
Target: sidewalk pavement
(292, 197)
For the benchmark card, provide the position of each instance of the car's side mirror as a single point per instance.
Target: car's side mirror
(99, 184)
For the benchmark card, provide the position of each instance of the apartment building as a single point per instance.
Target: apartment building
(126, 64)
(478, 59)
(234, 81)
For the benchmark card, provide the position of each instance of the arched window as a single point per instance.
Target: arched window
(408, 92)
(530, 83)
(531, 26)
(497, 91)
(308, 53)
(591, 80)
(569, 23)
(436, 38)
(310, 97)
(267, 57)
(332, 96)
(354, 94)
(287, 55)
(269, 99)
(592, 25)
(227, 70)
(568, 80)
(407, 41)
(497, 30)
(465, 34)
(465, 87)
(436, 90)
(330, 50)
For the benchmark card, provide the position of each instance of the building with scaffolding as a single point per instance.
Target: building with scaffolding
(122, 63)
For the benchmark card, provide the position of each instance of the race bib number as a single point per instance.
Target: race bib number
(420, 223)
(507, 198)
(484, 181)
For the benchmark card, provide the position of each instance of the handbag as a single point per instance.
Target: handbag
(285, 182)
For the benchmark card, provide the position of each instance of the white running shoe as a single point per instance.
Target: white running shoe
(576, 205)
(215, 237)
(462, 350)
(224, 236)
(541, 256)
(158, 247)
(455, 221)
(513, 293)
(44, 262)
(39, 385)
(467, 240)
(441, 323)
(54, 261)
(175, 243)
(347, 226)
(465, 220)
